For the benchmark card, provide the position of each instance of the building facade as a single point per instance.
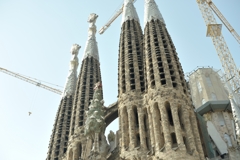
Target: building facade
(214, 110)
(156, 113)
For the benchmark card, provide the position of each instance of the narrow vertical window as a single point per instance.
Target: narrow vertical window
(203, 101)
(169, 113)
(214, 97)
(174, 140)
(199, 87)
(136, 116)
(209, 82)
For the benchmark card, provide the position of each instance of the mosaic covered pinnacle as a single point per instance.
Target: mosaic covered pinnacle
(91, 49)
(72, 76)
(129, 11)
(151, 12)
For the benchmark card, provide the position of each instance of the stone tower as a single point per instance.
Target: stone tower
(131, 85)
(172, 122)
(61, 127)
(89, 75)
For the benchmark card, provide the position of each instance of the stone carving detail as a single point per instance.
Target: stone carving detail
(91, 49)
(111, 140)
(72, 76)
(95, 124)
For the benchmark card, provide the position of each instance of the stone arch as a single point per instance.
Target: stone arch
(111, 113)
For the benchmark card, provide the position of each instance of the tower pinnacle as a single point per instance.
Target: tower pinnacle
(72, 76)
(91, 49)
(151, 12)
(129, 11)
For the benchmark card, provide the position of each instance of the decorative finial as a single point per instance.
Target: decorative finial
(75, 48)
(91, 49)
(72, 76)
(92, 27)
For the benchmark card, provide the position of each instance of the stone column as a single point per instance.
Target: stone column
(151, 128)
(131, 122)
(124, 128)
(76, 153)
(142, 130)
(70, 155)
(156, 128)
(188, 129)
(96, 142)
(177, 126)
(165, 125)
(196, 134)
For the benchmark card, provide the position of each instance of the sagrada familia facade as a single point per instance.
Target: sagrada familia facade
(155, 111)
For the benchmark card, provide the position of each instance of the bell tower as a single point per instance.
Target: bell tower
(131, 86)
(78, 146)
(172, 121)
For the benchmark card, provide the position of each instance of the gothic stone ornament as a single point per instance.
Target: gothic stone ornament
(95, 124)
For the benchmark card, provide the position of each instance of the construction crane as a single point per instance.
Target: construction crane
(27, 79)
(214, 31)
(228, 64)
(223, 19)
(118, 12)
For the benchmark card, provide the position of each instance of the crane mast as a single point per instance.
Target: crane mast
(224, 20)
(30, 81)
(214, 31)
(228, 64)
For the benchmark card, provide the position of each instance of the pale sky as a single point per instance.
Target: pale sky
(35, 40)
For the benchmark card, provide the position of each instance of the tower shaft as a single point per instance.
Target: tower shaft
(78, 145)
(173, 127)
(131, 85)
(60, 135)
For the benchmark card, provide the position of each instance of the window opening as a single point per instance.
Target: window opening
(170, 118)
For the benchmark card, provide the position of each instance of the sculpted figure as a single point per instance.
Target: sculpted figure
(92, 27)
(75, 48)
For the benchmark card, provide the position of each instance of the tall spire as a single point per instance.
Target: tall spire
(91, 49)
(72, 76)
(151, 12)
(129, 11)
(58, 142)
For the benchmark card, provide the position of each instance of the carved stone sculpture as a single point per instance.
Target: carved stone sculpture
(111, 140)
(95, 124)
